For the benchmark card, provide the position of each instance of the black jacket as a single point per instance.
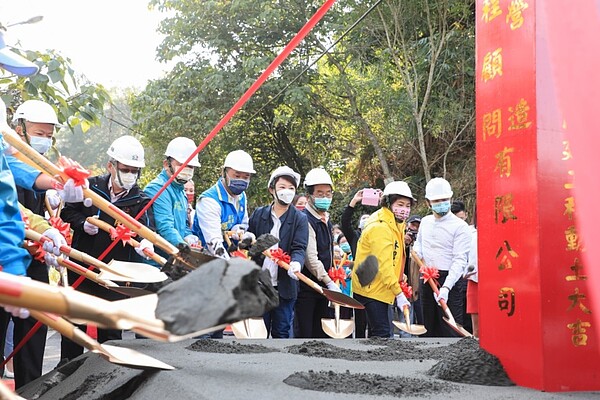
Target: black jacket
(293, 238)
(351, 234)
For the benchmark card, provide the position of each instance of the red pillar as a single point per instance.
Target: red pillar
(535, 308)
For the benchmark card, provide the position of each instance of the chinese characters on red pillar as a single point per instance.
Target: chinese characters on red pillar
(577, 310)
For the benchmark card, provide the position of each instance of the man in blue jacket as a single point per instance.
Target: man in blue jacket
(170, 208)
(290, 226)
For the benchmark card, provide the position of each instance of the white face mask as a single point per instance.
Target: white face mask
(286, 195)
(40, 144)
(185, 175)
(126, 181)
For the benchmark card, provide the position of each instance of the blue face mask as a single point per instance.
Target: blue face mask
(237, 186)
(441, 208)
(345, 247)
(322, 203)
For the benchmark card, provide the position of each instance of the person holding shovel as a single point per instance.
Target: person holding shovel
(222, 209)
(119, 187)
(290, 226)
(383, 238)
(443, 242)
(310, 305)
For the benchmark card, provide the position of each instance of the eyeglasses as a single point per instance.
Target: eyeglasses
(321, 194)
(129, 170)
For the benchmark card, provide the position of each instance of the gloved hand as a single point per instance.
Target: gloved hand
(216, 248)
(237, 231)
(144, 244)
(71, 193)
(53, 247)
(334, 287)
(191, 240)
(402, 301)
(443, 294)
(248, 236)
(90, 229)
(294, 267)
(53, 198)
(20, 312)
(50, 260)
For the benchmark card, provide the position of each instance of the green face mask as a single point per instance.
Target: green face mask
(322, 203)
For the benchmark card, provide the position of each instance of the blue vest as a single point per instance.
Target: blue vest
(230, 216)
(324, 247)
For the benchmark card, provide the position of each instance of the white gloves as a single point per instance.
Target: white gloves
(402, 301)
(144, 244)
(294, 267)
(333, 287)
(249, 236)
(237, 231)
(20, 312)
(192, 240)
(53, 198)
(90, 229)
(71, 193)
(443, 294)
(57, 241)
(216, 248)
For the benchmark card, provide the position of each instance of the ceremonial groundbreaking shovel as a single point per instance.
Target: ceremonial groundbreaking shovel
(449, 318)
(115, 270)
(337, 328)
(407, 327)
(113, 354)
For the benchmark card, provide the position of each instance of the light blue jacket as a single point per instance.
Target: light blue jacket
(170, 209)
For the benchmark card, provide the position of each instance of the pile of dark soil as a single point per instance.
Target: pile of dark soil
(467, 363)
(370, 384)
(220, 346)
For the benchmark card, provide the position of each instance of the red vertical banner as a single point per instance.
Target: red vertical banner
(532, 310)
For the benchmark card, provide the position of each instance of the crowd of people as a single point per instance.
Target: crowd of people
(386, 240)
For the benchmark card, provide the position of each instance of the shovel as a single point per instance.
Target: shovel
(136, 314)
(337, 328)
(127, 272)
(334, 297)
(113, 354)
(413, 329)
(449, 318)
(130, 291)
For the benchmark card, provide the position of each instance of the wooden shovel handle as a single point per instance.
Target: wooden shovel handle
(433, 286)
(300, 275)
(81, 270)
(65, 328)
(132, 242)
(43, 164)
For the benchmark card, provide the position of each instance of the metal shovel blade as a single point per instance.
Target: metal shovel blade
(337, 328)
(251, 328)
(458, 328)
(341, 298)
(137, 272)
(129, 357)
(413, 329)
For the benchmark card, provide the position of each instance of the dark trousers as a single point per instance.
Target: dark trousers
(433, 313)
(279, 320)
(360, 323)
(378, 316)
(309, 310)
(29, 360)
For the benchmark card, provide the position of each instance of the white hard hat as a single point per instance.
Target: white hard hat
(240, 161)
(36, 111)
(437, 189)
(400, 188)
(317, 176)
(128, 151)
(180, 149)
(284, 171)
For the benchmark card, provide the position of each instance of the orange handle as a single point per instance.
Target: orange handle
(300, 275)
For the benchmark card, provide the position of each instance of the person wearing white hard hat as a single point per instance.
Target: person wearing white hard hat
(383, 238)
(119, 187)
(310, 306)
(282, 220)
(223, 207)
(170, 208)
(444, 241)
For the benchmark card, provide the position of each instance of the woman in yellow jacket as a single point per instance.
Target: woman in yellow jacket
(383, 237)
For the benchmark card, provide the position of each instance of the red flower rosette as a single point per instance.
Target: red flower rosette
(337, 275)
(73, 170)
(63, 227)
(406, 289)
(122, 233)
(280, 255)
(429, 273)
